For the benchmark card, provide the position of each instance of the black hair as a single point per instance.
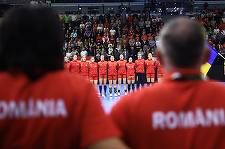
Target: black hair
(31, 40)
(183, 42)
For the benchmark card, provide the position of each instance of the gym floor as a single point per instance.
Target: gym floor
(108, 101)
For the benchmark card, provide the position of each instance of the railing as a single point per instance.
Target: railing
(98, 4)
(17, 1)
(220, 2)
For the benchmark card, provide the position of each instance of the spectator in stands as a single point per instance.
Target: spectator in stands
(137, 31)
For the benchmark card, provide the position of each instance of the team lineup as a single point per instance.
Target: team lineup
(123, 72)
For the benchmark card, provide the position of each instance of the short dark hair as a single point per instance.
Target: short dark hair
(31, 40)
(183, 42)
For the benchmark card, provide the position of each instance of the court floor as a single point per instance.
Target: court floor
(108, 101)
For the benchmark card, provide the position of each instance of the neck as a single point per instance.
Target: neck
(183, 74)
(184, 70)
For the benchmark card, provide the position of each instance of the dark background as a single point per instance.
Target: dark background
(94, 1)
(97, 1)
(216, 71)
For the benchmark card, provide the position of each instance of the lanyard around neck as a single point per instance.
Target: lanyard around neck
(186, 77)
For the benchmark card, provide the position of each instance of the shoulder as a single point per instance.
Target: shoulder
(3, 75)
(140, 98)
(212, 85)
(70, 83)
(7, 81)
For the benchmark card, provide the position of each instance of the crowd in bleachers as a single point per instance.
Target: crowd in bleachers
(214, 23)
(127, 34)
(111, 34)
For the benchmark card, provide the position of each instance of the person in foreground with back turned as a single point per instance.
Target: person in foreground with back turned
(183, 110)
(41, 104)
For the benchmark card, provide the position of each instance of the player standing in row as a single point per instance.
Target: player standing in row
(66, 63)
(158, 70)
(102, 65)
(140, 70)
(93, 71)
(150, 69)
(122, 74)
(130, 74)
(112, 75)
(75, 65)
(84, 67)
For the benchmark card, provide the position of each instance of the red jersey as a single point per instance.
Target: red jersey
(130, 19)
(150, 66)
(121, 67)
(93, 69)
(158, 67)
(52, 112)
(222, 26)
(98, 38)
(112, 40)
(130, 69)
(84, 68)
(75, 66)
(144, 37)
(130, 32)
(112, 68)
(102, 65)
(140, 65)
(173, 115)
(67, 66)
